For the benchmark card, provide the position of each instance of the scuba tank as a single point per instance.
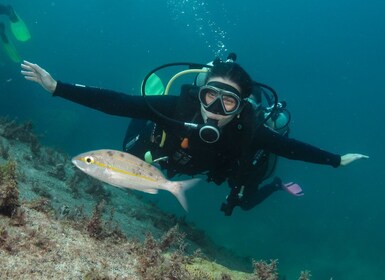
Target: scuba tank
(277, 117)
(280, 118)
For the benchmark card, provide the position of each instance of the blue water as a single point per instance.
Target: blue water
(325, 58)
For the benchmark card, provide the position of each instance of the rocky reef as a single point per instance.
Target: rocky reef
(57, 223)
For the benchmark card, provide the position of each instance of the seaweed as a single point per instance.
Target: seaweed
(4, 150)
(58, 171)
(41, 204)
(5, 243)
(73, 183)
(21, 132)
(305, 275)
(152, 262)
(9, 193)
(264, 270)
(99, 229)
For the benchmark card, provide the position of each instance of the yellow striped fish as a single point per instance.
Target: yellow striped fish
(124, 170)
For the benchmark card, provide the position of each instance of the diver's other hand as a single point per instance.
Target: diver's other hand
(35, 73)
(349, 158)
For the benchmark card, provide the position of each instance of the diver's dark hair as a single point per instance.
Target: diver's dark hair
(233, 72)
(232, 56)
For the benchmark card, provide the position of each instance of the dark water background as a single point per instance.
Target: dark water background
(325, 58)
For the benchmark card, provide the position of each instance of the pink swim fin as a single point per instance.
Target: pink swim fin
(293, 189)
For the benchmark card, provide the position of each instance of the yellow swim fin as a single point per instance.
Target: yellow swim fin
(10, 50)
(8, 47)
(18, 27)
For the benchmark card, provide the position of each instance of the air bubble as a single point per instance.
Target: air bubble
(193, 13)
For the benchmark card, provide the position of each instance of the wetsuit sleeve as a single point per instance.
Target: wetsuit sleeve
(293, 149)
(115, 103)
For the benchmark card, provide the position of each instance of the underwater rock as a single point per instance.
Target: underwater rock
(54, 225)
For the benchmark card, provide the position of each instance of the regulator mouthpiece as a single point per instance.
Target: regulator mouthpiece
(209, 132)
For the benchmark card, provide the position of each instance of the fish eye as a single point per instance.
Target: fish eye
(89, 160)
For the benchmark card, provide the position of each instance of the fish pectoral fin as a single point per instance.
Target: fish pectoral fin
(151, 191)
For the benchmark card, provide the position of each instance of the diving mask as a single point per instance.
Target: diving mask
(220, 98)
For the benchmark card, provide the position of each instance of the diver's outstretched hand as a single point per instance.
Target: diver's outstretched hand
(349, 158)
(35, 73)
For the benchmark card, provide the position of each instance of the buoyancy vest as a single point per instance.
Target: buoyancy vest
(230, 157)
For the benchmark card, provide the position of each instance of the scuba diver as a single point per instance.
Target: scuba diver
(139, 133)
(212, 128)
(18, 29)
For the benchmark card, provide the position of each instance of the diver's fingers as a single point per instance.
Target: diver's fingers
(27, 70)
(359, 156)
(33, 79)
(31, 76)
(33, 67)
(28, 73)
(349, 158)
(362, 156)
(26, 65)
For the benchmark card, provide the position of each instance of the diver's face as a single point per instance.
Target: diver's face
(229, 102)
(220, 96)
(220, 100)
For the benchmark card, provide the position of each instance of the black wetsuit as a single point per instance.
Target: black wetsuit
(3, 11)
(231, 158)
(8, 11)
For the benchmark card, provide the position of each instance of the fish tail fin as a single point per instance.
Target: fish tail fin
(179, 188)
